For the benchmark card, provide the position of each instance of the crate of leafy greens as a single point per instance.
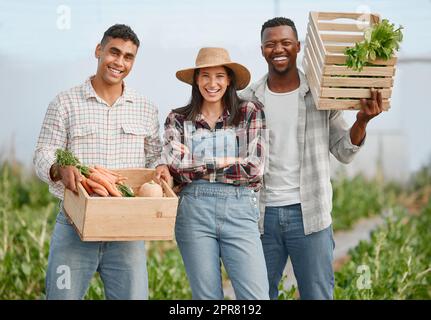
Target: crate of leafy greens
(346, 55)
(119, 204)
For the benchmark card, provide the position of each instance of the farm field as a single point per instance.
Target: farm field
(371, 271)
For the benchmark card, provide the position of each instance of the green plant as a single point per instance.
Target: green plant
(66, 158)
(397, 260)
(286, 293)
(358, 197)
(381, 41)
(166, 273)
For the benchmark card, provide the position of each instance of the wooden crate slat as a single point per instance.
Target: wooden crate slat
(335, 59)
(346, 15)
(314, 33)
(312, 42)
(75, 210)
(314, 73)
(341, 59)
(367, 71)
(332, 104)
(132, 220)
(341, 38)
(311, 79)
(352, 93)
(317, 54)
(349, 27)
(313, 56)
(357, 82)
(336, 49)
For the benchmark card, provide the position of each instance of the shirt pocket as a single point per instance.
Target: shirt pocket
(132, 147)
(83, 137)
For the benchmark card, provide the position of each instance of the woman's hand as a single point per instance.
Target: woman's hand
(162, 172)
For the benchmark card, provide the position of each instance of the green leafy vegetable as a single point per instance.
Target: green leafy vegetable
(381, 41)
(125, 190)
(66, 158)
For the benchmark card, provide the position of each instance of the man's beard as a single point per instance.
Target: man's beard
(282, 72)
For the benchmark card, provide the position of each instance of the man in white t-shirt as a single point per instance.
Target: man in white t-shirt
(296, 200)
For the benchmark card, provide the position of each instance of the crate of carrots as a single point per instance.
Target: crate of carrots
(347, 54)
(119, 204)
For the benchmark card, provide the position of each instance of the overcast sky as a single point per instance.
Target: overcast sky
(47, 46)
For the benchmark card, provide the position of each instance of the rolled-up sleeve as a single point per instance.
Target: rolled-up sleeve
(340, 143)
(52, 136)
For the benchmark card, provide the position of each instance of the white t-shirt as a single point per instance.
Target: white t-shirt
(282, 175)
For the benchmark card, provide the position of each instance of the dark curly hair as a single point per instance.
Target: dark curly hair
(279, 21)
(120, 31)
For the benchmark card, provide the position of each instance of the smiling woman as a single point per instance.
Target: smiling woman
(212, 83)
(218, 179)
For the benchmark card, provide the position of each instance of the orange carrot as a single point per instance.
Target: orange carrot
(106, 184)
(113, 176)
(103, 169)
(94, 185)
(108, 177)
(86, 186)
(101, 192)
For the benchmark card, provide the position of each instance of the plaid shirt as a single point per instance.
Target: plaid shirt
(320, 132)
(202, 147)
(124, 135)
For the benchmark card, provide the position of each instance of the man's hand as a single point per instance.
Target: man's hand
(370, 108)
(69, 176)
(162, 172)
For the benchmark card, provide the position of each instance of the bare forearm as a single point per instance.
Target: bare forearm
(357, 133)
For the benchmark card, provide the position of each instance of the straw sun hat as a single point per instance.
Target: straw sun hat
(214, 57)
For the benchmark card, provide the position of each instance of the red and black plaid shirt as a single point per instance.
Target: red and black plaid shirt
(193, 150)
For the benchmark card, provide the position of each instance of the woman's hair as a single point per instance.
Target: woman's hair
(231, 101)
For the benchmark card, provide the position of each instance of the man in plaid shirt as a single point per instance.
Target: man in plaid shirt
(102, 122)
(296, 199)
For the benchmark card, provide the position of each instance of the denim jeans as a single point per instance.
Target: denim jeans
(311, 255)
(72, 263)
(219, 222)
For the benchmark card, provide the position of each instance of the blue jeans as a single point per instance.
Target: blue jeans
(72, 263)
(219, 222)
(311, 255)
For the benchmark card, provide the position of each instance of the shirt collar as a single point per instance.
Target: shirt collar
(259, 87)
(223, 117)
(89, 92)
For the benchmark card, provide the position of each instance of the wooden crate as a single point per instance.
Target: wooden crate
(123, 219)
(332, 84)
